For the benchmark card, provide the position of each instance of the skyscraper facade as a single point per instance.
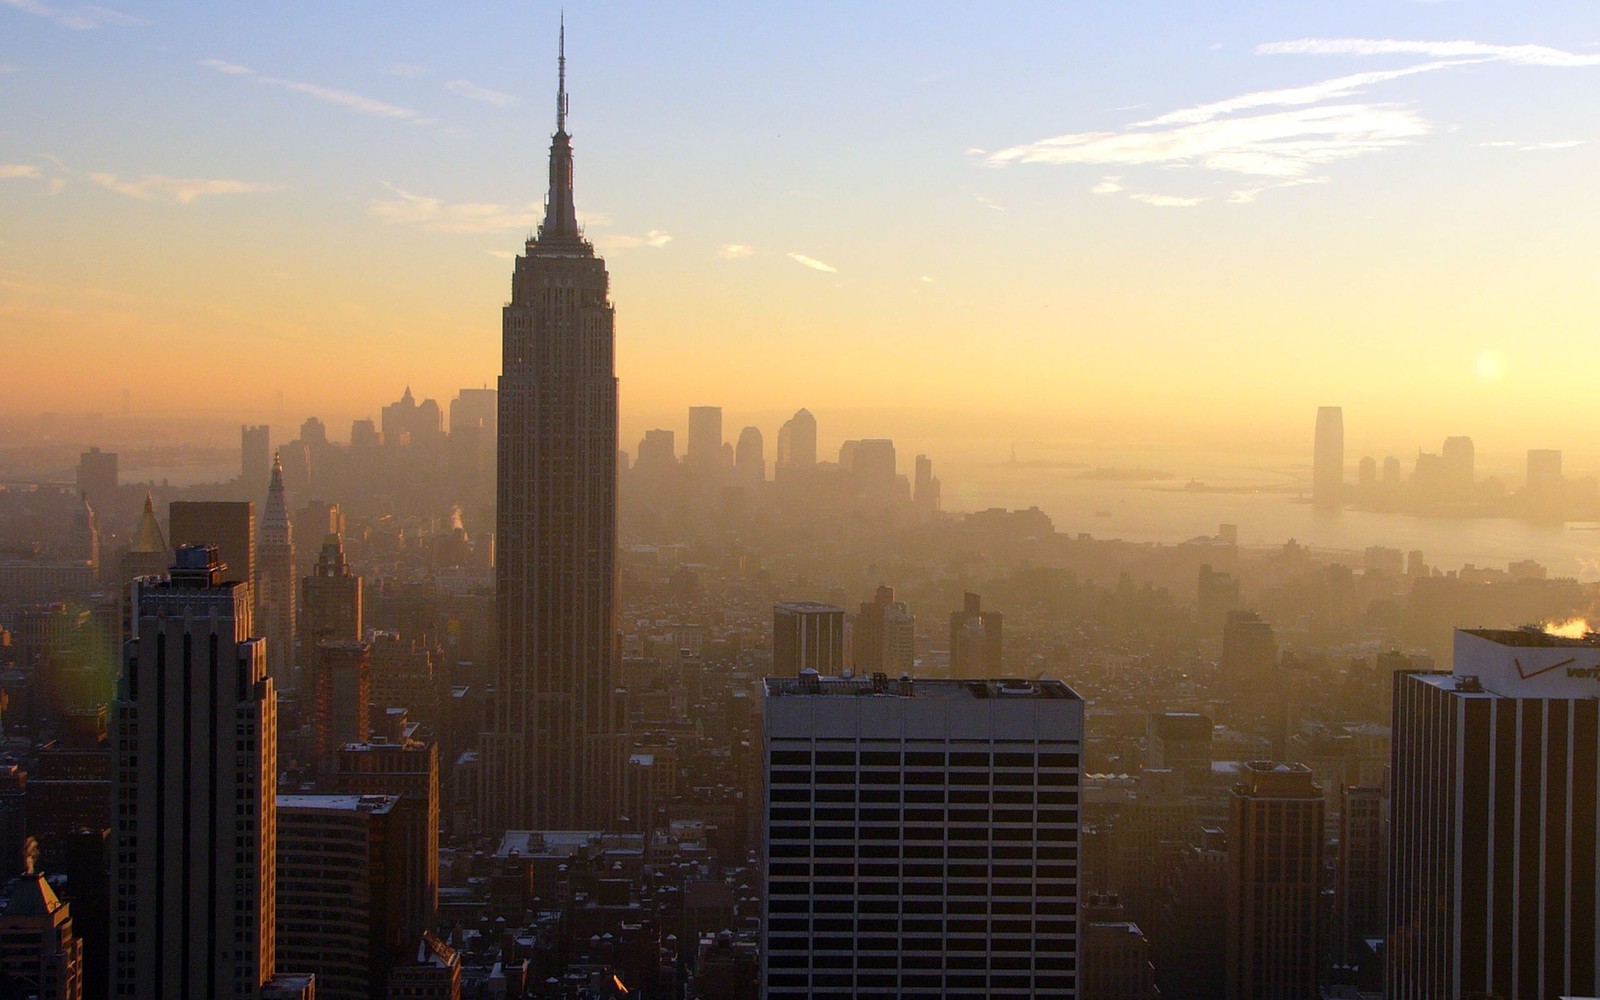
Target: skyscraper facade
(553, 756)
(921, 838)
(807, 635)
(193, 873)
(1494, 886)
(976, 638)
(705, 437)
(749, 457)
(331, 596)
(255, 454)
(275, 583)
(1327, 459)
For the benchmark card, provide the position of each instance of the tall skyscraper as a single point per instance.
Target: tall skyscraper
(925, 488)
(705, 438)
(193, 877)
(797, 444)
(1274, 885)
(1494, 885)
(1327, 460)
(275, 583)
(331, 597)
(230, 525)
(884, 636)
(553, 758)
(97, 477)
(921, 838)
(807, 635)
(255, 454)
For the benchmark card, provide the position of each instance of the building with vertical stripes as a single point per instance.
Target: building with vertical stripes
(1493, 884)
(921, 838)
(193, 874)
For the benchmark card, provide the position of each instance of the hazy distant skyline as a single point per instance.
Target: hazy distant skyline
(1145, 223)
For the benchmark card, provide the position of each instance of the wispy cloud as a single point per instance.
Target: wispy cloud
(182, 190)
(1533, 147)
(990, 203)
(1107, 185)
(1527, 55)
(1166, 200)
(473, 92)
(813, 263)
(619, 241)
(1288, 97)
(11, 171)
(84, 17)
(427, 212)
(735, 251)
(343, 98)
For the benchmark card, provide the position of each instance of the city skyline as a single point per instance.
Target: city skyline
(1280, 161)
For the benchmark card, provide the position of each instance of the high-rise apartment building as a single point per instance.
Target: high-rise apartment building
(921, 838)
(339, 864)
(975, 639)
(1494, 885)
(1274, 890)
(553, 758)
(275, 583)
(1327, 459)
(807, 635)
(193, 871)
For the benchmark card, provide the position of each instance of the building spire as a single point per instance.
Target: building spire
(560, 227)
(561, 77)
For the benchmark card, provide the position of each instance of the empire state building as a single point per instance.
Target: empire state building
(552, 759)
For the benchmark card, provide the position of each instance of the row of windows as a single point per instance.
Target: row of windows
(932, 981)
(929, 832)
(919, 959)
(1010, 796)
(924, 758)
(965, 852)
(802, 869)
(1043, 905)
(881, 814)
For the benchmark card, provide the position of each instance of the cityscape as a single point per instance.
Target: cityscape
(729, 637)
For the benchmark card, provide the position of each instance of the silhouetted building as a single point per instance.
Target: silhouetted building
(275, 584)
(797, 445)
(1274, 885)
(925, 488)
(255, 454)
(1494, 882)
(230, 525)
(705, 438)
(1458, 465)
(331, 597)
(97, 477)
(1249, 651)
(749, 457)
(554, 757)
(40, 956)
(434, 975)
(196, 820)
(408, 769)
(1360, 889)
(410, 424)
(975, 640)
(339, 864)
(1327, 463)
(1114, 954)
(657, 452)
(340, 692)
(807, 635)
(850, 906)
(884, 636)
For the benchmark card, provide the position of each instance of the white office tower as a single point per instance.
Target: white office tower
(1494, 884)
(193, 874)
(921, 838)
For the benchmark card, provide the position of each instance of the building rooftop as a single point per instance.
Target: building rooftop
(881, 686)
(1533, 637)
(339, 803)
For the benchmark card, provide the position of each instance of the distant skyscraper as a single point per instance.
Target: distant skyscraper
(807, 635)
(1274, 885)
(408, 423)
(1494, 884)
(1360, 892)
(474, 405)
(749, 457)
(340, 697)
(975, 640)
(1544, 468)
(83, 537)
(797, 444)
(275, 583)
(884, 635)
(554, 757)
(874, 887)
(1458, 464)
(1327, 463)
(97, 477)
(196, 814)
(705, 438)
(657, 452)
(331, 597)
(925, 490)
(255, 455)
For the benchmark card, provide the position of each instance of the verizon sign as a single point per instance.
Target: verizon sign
(1526, 664)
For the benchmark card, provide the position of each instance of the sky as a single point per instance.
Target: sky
(1154, 225)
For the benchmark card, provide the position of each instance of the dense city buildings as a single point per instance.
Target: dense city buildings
(883, 636)
(1493, 876)
(921, 837)
(554, 754)
(196, 818)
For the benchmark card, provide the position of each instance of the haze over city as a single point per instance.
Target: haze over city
(969, 224)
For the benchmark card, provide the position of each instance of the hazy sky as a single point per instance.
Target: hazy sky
(1152, 221)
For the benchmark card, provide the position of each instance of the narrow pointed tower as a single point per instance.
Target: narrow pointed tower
(275, 583)
(553, 755)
